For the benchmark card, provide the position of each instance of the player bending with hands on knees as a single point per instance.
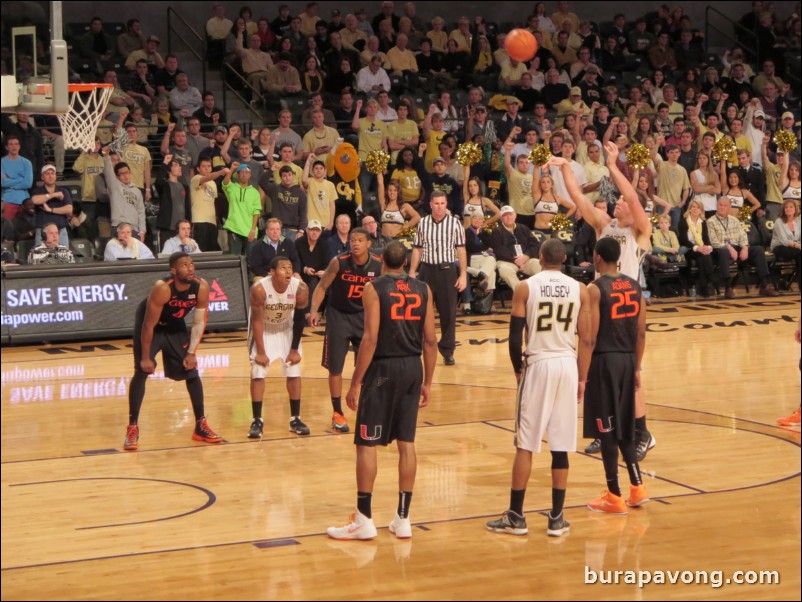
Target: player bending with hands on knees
(551, 377)
(631, 227)
(399, 327)
(276, 325)
(160, 326)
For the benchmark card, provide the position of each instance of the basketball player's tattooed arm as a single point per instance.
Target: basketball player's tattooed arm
(595, 217)
(429, 352)
(517, 324)
(298, 322)
(640, 347)
(257, 325)
(320, 291)
(198, 326)
(159, 295)
(586, 342)
(370, 301)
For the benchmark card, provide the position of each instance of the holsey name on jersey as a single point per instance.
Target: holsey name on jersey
(557, 290)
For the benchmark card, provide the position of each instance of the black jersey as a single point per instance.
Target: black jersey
(619, 310)
(180, 304)
(345, 293)
(403, 301)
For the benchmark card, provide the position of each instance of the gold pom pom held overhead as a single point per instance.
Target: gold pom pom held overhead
(540, 155)
(786, 141)
(638, 156)
(377, 161)
(725, 150)
(559, 223)
(469, 154)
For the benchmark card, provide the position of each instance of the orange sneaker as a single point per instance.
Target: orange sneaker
(131, 438)
(638, 496)
(792, 420)
(609, 503)
(203, 432)
(339, 423)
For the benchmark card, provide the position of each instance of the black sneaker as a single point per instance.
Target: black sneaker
(298, 427)
(594, 447)
(256, 429)
(558, 526)
(510, 522)
(645, 445)
(449, 360)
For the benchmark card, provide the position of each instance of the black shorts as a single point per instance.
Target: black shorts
(610, 396)
(173, 345)
(388, 404)
(341, 328)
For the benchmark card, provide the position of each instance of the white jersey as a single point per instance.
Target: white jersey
(279, 307)
(631, 253)
(552, 312)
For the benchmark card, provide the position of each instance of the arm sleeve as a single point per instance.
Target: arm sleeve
(517, 325)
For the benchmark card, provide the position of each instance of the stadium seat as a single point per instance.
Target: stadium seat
(83, 250)
(23, 250)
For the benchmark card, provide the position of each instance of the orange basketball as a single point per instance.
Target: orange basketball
(520, 45)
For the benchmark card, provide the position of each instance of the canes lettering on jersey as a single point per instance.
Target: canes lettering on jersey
(179, 305)
(345, 292)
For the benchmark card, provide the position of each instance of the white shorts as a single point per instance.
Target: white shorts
(547, 405)
(277, 348)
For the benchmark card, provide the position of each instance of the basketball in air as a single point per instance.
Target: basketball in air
(520, 45)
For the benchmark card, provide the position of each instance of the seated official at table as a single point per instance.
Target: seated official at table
(125, 246)
(181, 241)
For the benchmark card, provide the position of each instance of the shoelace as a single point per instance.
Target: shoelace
(133, 433)
(351, 520)
(204, 428)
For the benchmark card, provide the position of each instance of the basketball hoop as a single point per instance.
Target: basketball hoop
(87, 104)
(79, 123)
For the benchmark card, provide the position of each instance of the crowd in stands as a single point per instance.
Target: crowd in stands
(183, 177)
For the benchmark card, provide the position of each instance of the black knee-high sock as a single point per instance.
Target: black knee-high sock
(404, 501)
(517, 501)
(136, 394)
(295, 407)
(337, 404)
(629, 451)
(557, 502)
(256, 406)
(641, 433)
(363, 503)
(195, 389)
(609, 453)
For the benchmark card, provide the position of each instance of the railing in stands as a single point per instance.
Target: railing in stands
(192, 45)
(737, 34)
(229, 70)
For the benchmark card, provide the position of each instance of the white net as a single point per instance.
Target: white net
(79, 124)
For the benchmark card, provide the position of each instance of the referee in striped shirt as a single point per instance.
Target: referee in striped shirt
(439, 252)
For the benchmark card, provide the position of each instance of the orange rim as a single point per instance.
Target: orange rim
(87, 87)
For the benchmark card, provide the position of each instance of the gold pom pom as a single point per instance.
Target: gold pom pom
(489, 227)
(655, 219)
(725, 150)
(469, 153)
(745, 213)
(560, 223)
(785, 141)
(540, 155)
(376, 161)
(638, 156)
(407, 233)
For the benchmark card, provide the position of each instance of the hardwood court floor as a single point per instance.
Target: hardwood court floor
(246, 520)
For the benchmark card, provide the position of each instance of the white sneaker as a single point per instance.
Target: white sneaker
(360, 527)
(401, 527)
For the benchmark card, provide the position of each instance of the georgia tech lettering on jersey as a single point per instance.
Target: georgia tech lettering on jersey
(279, 306)
(622, 240)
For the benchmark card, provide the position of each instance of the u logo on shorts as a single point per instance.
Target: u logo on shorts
(363, 433)
(600, 425)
